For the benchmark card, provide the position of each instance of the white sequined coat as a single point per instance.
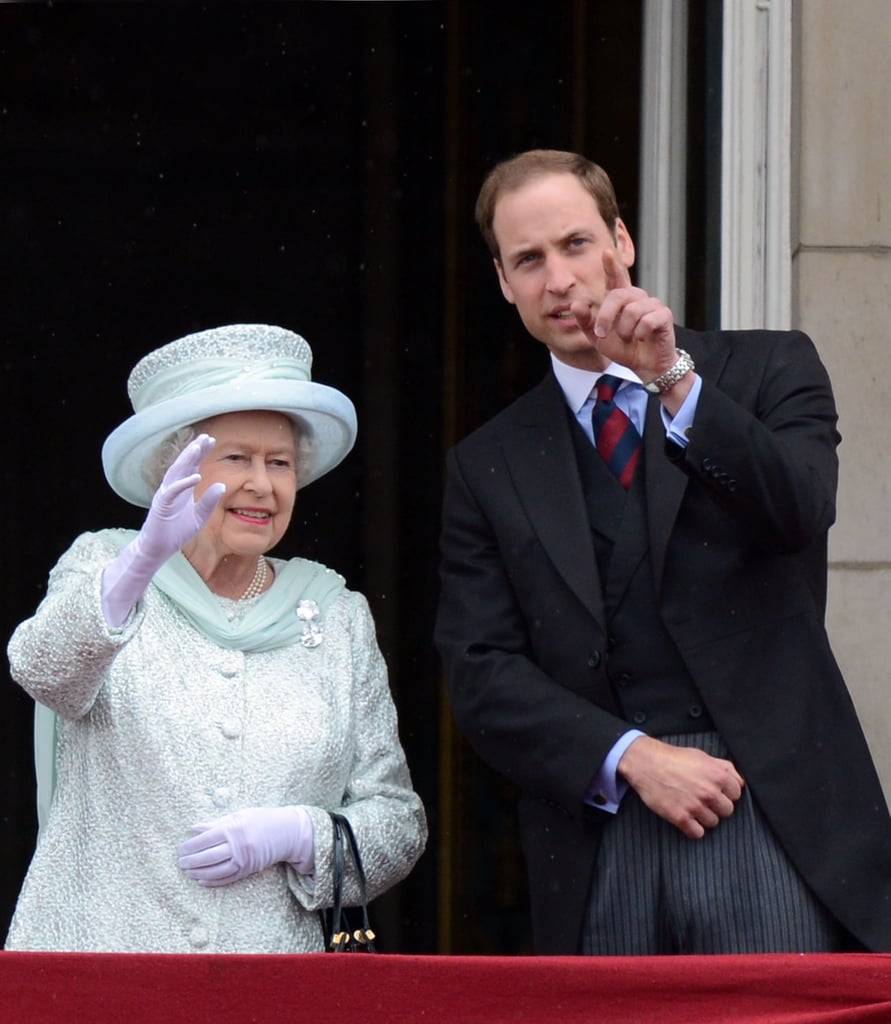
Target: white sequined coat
(161, 728)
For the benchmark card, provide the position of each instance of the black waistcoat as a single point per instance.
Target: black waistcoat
(651, 683)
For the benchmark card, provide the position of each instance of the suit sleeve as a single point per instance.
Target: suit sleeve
(763, 443)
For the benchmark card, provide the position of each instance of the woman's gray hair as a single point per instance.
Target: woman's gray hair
(163, 457)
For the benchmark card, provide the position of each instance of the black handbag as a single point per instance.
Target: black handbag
(340, 935)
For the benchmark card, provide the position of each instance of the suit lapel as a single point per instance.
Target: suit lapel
(539, 452)
(541, 459)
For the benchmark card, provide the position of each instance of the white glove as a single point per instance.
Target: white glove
(247, 841)
(173, 519)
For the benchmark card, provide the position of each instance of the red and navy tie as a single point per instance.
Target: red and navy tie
(615, 435)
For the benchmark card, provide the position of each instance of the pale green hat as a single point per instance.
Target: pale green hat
(235, 368)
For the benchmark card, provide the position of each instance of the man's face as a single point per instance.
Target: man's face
(551, 238)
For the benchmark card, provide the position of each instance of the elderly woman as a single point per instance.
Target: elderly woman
(211, 703)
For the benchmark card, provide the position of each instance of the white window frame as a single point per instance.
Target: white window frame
(756, 157)
(756, 164)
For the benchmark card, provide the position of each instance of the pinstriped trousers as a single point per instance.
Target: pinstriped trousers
(655, 891)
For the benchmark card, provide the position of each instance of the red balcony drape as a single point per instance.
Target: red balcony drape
(392, 989)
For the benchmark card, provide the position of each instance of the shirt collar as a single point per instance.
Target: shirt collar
(577, 385)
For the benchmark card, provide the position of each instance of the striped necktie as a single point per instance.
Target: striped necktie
(615, 435)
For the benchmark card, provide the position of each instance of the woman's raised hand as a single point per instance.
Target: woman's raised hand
(173, 519)
(174, 516)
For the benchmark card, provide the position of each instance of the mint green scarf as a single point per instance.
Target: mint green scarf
(271, 621)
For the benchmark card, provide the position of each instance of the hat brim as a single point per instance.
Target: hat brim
(329, 413)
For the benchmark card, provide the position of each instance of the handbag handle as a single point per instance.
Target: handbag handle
(337, 935)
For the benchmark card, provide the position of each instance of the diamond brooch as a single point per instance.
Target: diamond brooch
(308, 612)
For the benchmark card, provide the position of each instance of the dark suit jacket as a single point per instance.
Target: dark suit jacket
(738, 523)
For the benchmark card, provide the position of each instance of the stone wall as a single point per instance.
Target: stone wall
(842, 285)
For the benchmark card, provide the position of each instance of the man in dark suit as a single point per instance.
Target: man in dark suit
(633, 629)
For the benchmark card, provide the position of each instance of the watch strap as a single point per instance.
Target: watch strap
(666, 381)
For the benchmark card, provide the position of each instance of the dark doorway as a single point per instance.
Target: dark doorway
(169, 167)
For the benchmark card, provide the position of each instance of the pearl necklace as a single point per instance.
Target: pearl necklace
(255, 587)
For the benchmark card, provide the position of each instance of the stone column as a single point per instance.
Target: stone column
(842, 297)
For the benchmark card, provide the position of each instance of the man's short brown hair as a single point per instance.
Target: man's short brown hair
(515, 172)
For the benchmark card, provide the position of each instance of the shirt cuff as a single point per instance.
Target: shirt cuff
(606, 789)
(677, 428)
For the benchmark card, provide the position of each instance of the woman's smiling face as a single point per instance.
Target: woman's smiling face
(255, 456)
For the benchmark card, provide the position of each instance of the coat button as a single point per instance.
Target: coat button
(594, 659)
(624, 679)
(639, 717)
(230, 664)
(695, 711)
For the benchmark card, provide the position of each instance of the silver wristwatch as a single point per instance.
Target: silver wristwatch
(668, 379)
